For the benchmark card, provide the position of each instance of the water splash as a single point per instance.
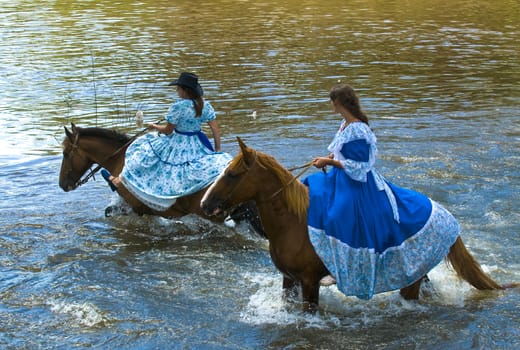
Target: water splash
(80, 314)
(267, 306)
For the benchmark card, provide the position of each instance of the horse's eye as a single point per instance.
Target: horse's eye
(231, 175)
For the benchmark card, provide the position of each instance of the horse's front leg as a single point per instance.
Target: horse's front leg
(289, 288)
(311, 295)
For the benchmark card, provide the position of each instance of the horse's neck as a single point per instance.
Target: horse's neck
(287, 235)
(278, 219)
(107, 154)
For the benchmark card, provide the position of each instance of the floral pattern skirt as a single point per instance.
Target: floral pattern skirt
(160, 169)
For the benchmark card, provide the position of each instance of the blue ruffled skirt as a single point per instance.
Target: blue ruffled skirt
(160, 169)
(354, 229)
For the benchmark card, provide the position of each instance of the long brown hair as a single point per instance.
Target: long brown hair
(198, 101)
(345, 96)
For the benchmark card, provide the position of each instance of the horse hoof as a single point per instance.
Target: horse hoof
(114, 210)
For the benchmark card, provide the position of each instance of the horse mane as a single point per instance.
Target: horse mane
(109, 134)
(296, 194)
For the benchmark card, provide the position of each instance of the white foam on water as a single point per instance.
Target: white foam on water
(82, 314)
(445, 287)
(267, 306)
(497, 219)
(188, 227)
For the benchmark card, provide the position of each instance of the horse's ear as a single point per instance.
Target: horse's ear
(73, 128)
(68, 133)
(241, 143)
(243, 147)
(247, 152)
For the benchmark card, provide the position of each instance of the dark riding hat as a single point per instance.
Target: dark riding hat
(189, 80)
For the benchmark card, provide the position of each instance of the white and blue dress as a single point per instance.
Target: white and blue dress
(373, 236)
(161, 168)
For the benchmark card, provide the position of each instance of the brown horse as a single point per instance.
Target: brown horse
(83, 147)
(282, 204)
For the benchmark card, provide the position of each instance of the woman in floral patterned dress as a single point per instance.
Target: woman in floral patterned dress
(372, 235)
(180, 160)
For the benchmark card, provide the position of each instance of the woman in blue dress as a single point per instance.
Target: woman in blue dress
(180, 160)
(372, 235)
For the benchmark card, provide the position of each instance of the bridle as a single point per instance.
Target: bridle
(92, 172)
(74, 146)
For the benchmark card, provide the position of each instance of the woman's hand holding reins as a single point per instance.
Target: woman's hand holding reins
(166, 129)
(322, 162)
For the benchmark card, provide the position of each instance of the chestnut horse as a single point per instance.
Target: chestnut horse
(83, 147)
(282, 204)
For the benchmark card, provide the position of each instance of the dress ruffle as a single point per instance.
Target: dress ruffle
(363, 272)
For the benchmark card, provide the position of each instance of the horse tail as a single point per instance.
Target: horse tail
(468, 268)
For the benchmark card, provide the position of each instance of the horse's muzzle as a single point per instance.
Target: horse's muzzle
(211, 207)
(67, 186)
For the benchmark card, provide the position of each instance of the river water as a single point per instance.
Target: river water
(438, 79)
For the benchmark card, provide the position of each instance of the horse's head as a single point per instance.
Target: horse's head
(238, 183)
(75, 162)
(83, 147)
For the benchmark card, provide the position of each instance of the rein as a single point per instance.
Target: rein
(304, 168)
(92, 172)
